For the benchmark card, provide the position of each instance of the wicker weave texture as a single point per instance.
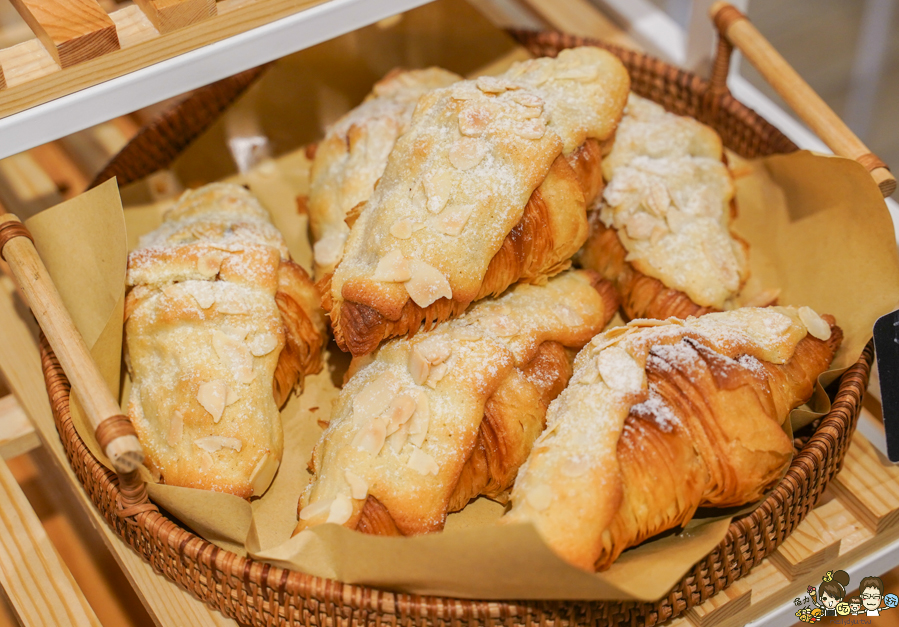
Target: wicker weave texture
(260, 594)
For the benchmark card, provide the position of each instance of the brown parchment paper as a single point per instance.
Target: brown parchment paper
(817, 227)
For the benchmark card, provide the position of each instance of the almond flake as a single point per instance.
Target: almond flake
(176, 429)
(419, 367)
(528, 113)
(492, 85)
(435, 350)
(640, 225)
(202, 291)
(314, 510)
(329, 249)
(263, 473)
(816, 325)
(375, 397)
(540, 497)
(658, 232)
(501, 325)
(581, 73)
(467, 152)
(262, 344)
(392, 268)
(534, 128)
(209, 264)
(438, 187)
(677, 219)
(399, 412)
(619, 370)
(371, 437)
(214, 443)
(206, 462)
(658, 200)
(464, 92)
(234, 355)
(453, 220)
(437, 374)
(468, 333)
(427, 284)
(397, 440)
(569, 316)
(358, 485)
(341, 509)
(572, 468)
(402, 228)
(418, 199)
(422, 463)
(473, 121)
(418, 424)
(212, 396)
(230, 303)
(527, 99)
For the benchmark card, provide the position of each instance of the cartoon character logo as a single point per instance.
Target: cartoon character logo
(831, 592)
(828, 598)
(871, 592)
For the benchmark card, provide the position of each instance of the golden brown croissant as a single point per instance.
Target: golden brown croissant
(220, 327)
(427, 424)
(663, 417)
(488, 186)
(351, 158)
(661, 232)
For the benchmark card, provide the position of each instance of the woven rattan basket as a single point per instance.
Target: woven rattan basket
(257, 593)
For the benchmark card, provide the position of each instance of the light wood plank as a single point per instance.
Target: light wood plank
(17, 434)
(811, 547)
(234, 17)
(169, 15)
(25, 189)
(36, 582)
(20, 364)
(868, 486)
(579, 17)
(719, 608)
(73, 31)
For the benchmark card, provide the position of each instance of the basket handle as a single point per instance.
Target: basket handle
(114, 431)
(735, 30)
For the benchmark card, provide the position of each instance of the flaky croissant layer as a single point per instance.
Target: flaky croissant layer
(662, 417)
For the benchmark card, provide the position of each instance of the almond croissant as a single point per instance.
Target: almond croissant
(220, 327)
(488, 186)
(661, 232)
(427, 424)
(663, 417)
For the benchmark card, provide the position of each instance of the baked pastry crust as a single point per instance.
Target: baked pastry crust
(220, 327)
(425, 425)
(662, 417)
(352, 156)
(662, 230)
(488, 186)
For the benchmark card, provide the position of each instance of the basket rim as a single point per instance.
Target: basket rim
(231, 574)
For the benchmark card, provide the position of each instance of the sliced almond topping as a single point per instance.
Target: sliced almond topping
(375, 397)
(402, 228)
(418, 366)
(202, 291)
(419, 198)
(540, 497)
(467, 152)
(418, 424)
(397, 440)
(619, 370)
(212, 396)
(573, 468)
(230, 303)
(329, 249)
(358, 485)
(816, 325)
(501, 325)
(209, 264)
(677, 219)
(464, 91)
(438, 187)
(427, 284)
(314, 510)
(527, 99)
(468, 333)
(392, 268)
(437, 374)
(528, 113)
(453, 219)
(398, 413)
(658, 232)
(206, 462)
(371, 437)
(262, 344)
(581, 73)
(658, 200)
(569, 316)
(231, 398)
(534, 128)
(492, 85)
(473, 121)
(341, 510)
(435, 350)
(641, 225)
(422, 463)
(214, 443)
(176, 429)
(234, 355)
(263, 473)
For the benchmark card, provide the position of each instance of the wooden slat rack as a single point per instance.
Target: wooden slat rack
(85, 65)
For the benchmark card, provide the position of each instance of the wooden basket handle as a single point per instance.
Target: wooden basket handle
(736, 30)
(114, 431)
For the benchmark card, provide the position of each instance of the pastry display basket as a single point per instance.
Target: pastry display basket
(257, 593)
